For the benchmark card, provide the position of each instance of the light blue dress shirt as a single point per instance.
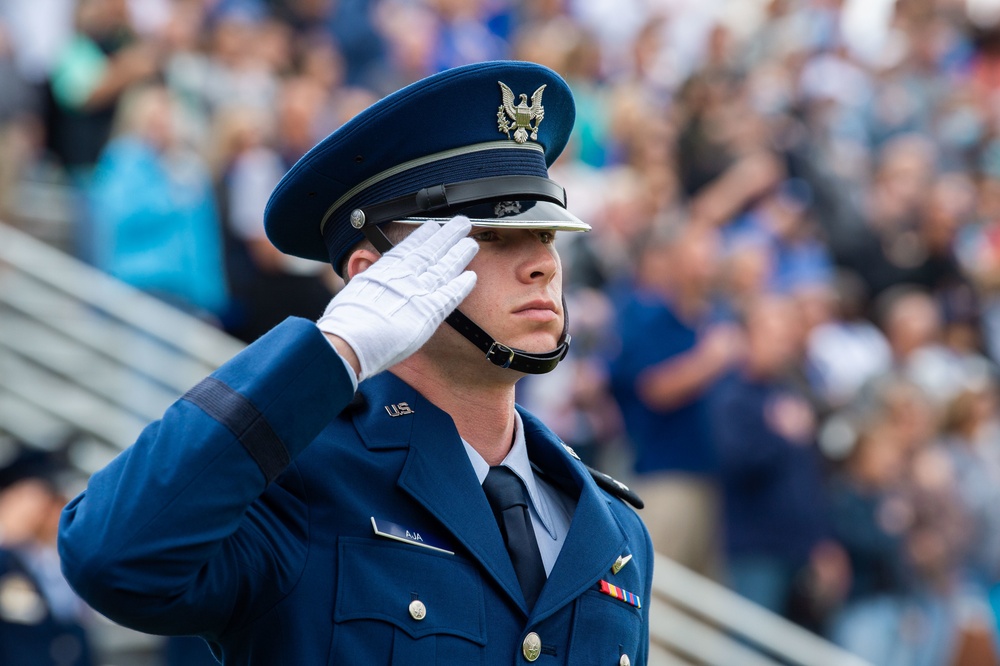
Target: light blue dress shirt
(551, 511)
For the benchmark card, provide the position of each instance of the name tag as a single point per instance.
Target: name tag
(384, 528)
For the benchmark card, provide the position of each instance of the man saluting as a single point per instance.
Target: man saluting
(363, 489)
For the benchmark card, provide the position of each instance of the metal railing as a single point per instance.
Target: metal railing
(694, 620)
(83, 353)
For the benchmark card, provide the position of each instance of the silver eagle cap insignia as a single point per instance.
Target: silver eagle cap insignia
(520, 118)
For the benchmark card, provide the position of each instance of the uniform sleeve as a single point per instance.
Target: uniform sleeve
(185, 531)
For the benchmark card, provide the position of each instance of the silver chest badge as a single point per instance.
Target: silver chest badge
(520, 118)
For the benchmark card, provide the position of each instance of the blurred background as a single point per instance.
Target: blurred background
(786, 322)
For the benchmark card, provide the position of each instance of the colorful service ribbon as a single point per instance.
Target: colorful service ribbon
(620, 594)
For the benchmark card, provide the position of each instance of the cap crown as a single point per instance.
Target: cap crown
(477, 121)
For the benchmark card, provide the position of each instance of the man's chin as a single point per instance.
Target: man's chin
(538, 343)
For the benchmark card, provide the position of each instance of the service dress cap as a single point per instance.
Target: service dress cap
(486, 126)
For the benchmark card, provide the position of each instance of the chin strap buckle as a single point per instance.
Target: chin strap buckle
(500, 355)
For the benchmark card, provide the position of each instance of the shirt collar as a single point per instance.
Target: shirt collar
(517, 461)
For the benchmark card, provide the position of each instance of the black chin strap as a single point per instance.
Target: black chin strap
(503, 356)
(498, 354)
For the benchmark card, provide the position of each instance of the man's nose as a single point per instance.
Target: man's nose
(539, 260)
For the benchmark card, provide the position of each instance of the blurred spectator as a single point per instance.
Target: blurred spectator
(409, 30)
(238, 70)
(672, 350)
(467, 32)
(353, 25)
(914, 325)
(42, 621)
(93, 70)
(913, 217)
(187, 64)
(725, 157)
(104, 57)
(972, 452)
(307, 111)
(898, 512)
(605, 258)
(703, 153)
(21, 131)
(765, 431)
(969, 440)
(844, 349)
(978, 246)
(18, 99)
(869, 520)
(798, 257)
(571, 49)
(267, 286)
(153, 201)
(39, 30)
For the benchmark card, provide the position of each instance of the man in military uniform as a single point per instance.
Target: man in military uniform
(364, 488)
(42, 622)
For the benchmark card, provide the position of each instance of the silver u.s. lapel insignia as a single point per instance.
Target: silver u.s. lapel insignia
(520, 118)
(399, 409)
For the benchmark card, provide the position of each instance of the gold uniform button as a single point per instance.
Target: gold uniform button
(531, 647)
(624, 661)
(417, 610)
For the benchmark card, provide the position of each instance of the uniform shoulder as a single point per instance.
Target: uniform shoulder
(616, 487)
(609, 484)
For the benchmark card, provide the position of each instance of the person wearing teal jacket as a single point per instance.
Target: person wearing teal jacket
(364, 488)
(153, 210)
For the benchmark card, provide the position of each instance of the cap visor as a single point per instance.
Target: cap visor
(514, 215)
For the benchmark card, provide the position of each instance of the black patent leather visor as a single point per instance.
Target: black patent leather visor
(512, 214)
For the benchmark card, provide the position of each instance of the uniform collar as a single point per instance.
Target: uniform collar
(391, 415)
(517, 461)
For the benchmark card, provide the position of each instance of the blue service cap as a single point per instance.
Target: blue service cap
(481, 121)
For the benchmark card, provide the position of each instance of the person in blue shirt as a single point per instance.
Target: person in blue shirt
(775, 513)
(156, 223)
(364, 488)
(674, 345)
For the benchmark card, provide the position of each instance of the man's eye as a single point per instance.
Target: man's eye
(485, 236)
(547, 237)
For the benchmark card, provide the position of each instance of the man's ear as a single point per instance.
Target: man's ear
(360, 260)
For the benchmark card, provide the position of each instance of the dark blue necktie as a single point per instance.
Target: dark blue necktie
(509, 500)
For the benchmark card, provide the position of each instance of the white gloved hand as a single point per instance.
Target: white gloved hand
(389, 310)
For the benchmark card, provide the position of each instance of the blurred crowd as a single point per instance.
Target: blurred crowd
(786, 322)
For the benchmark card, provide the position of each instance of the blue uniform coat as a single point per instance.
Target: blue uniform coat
(246, 516)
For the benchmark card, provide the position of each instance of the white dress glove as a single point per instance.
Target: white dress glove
(389, 310)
